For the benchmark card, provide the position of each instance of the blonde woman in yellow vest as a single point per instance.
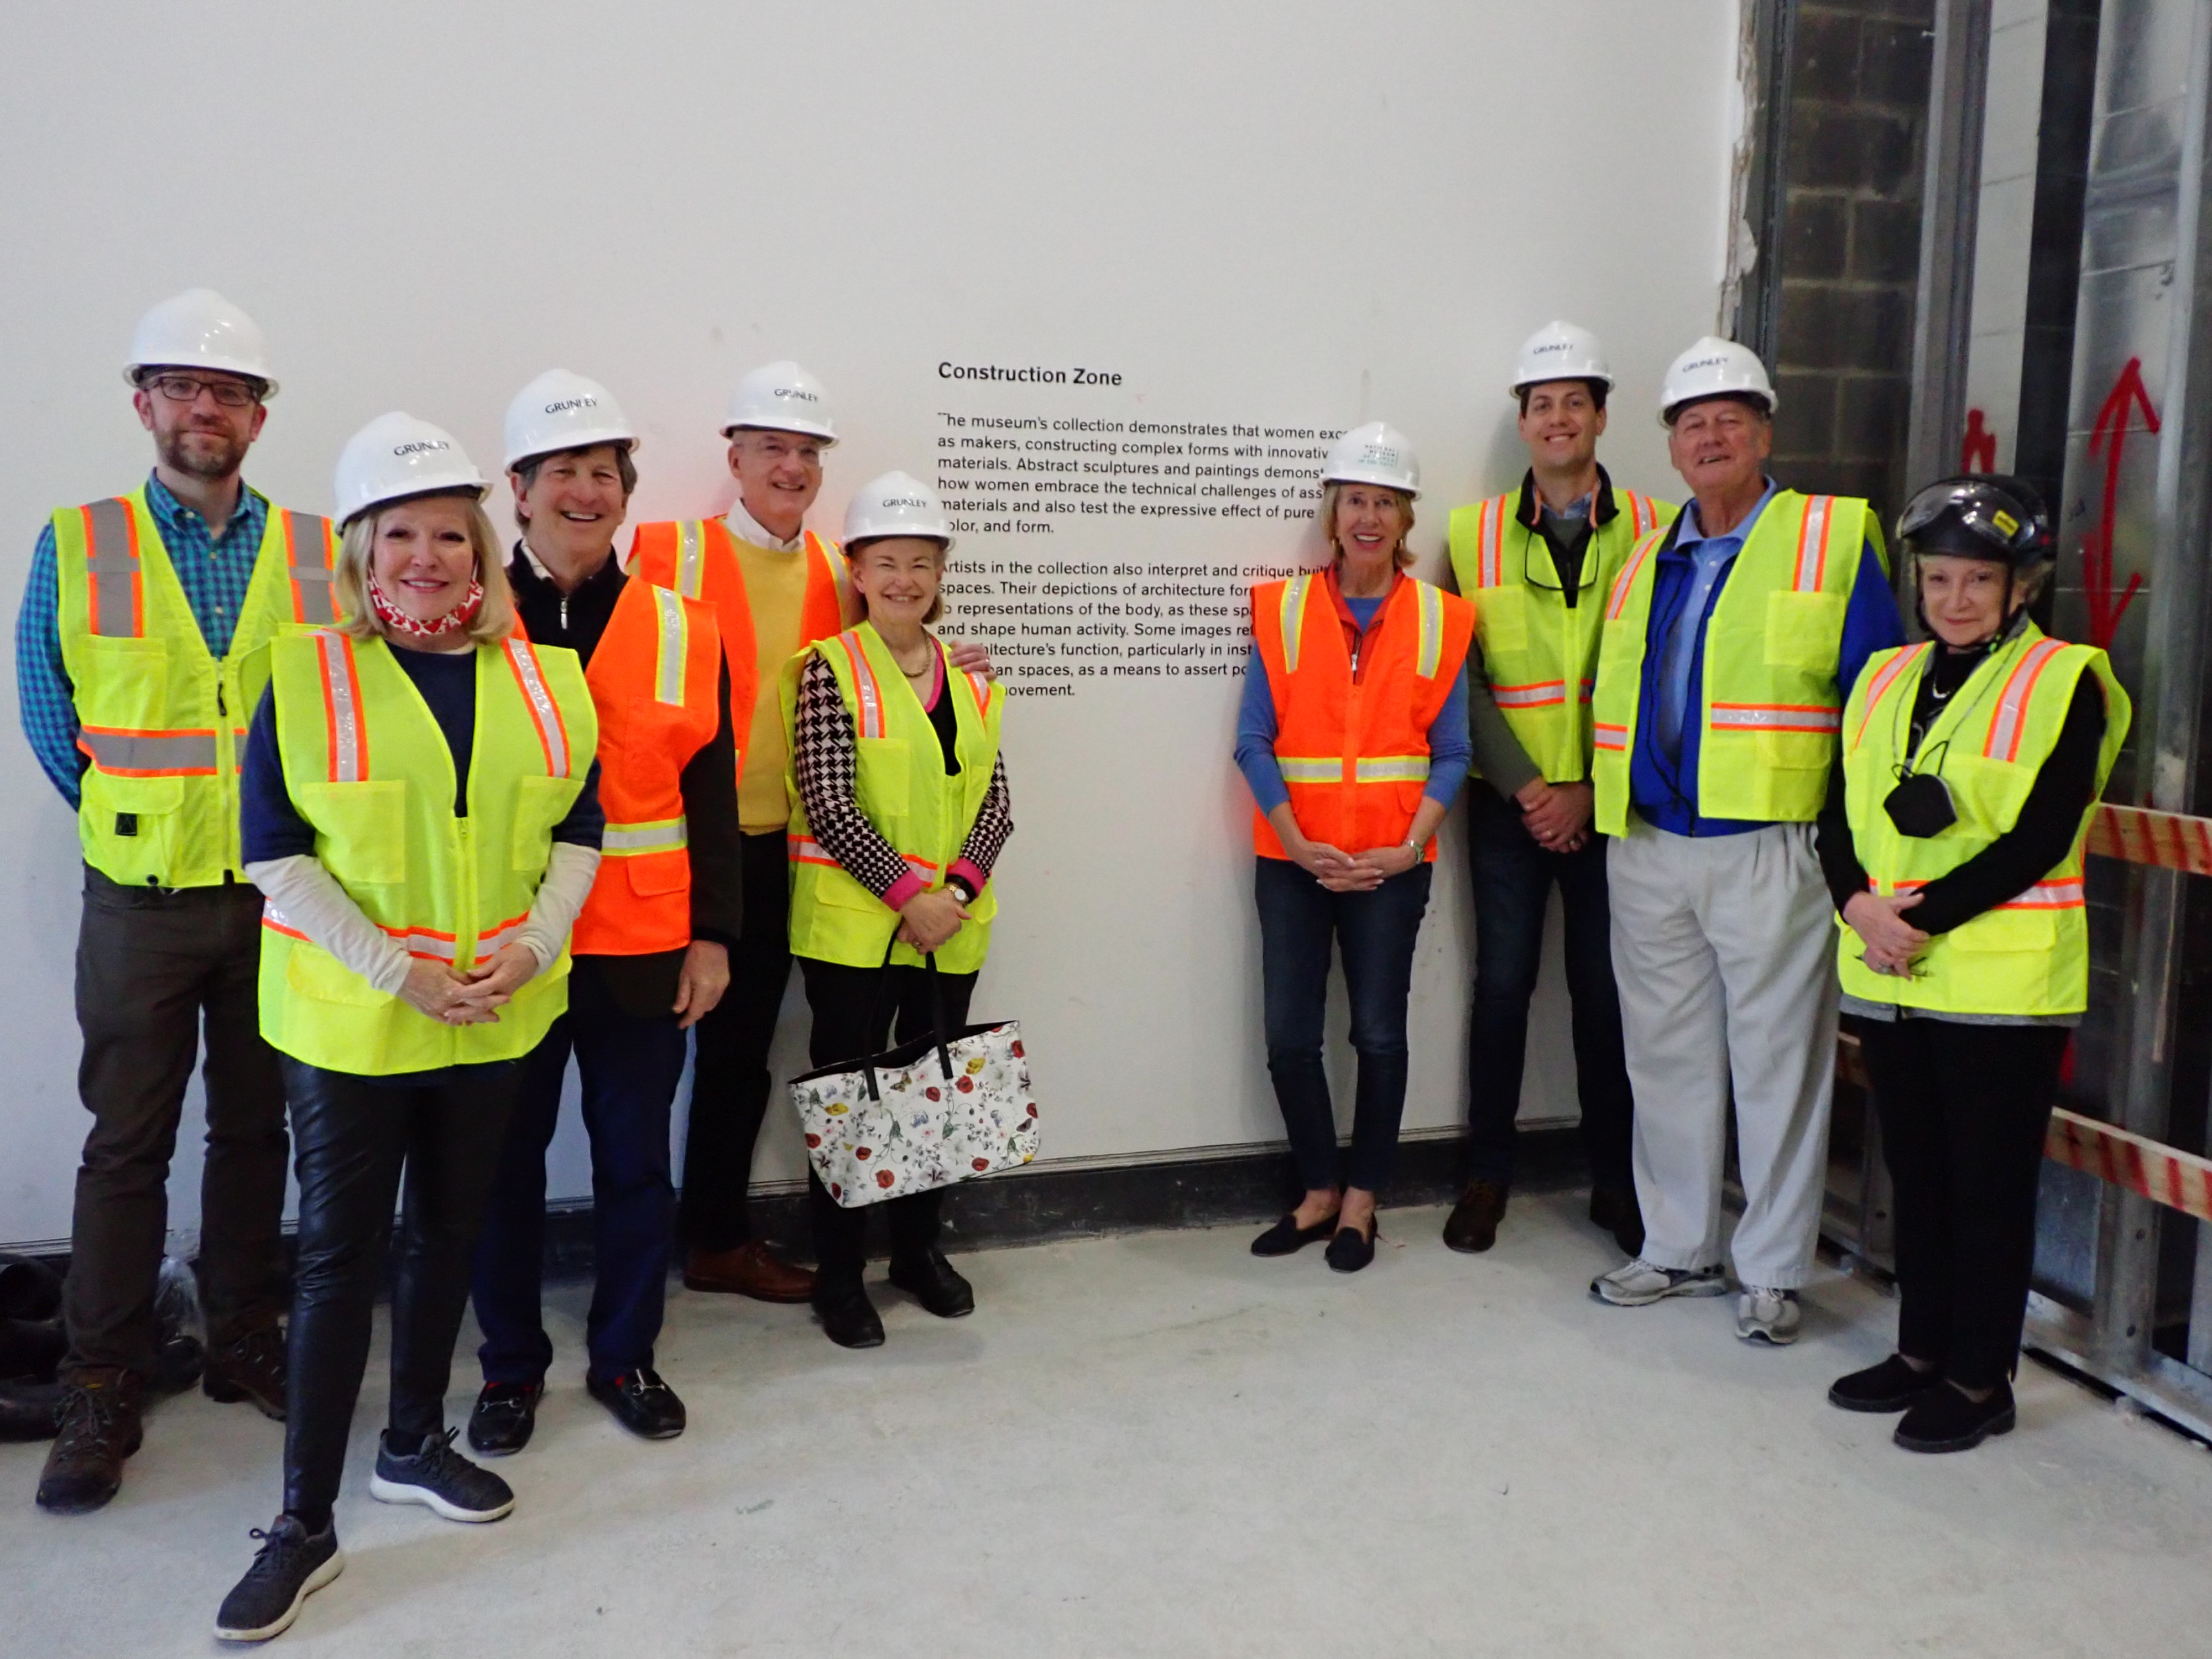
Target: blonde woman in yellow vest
(142, 640)
(1730, 639)
(1538, 563)
(900, 810)
(420, 812)
(1952, 845)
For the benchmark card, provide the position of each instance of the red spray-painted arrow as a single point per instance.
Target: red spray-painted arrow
(2105, 613)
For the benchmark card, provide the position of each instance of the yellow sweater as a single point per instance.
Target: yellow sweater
(775, 590)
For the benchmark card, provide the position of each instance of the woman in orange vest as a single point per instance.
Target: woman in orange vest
(1354, 738)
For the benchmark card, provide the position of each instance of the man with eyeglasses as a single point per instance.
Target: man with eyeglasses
(1537, 562)
(1730, 642)
(140, 652)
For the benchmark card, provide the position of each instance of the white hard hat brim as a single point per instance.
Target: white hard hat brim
(1766, 400)
(477, 492)
(1599, 375)
(1356, 475)
(571, 442)
(131, 371)
(802, 428)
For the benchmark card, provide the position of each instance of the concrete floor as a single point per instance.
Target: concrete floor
(1156, 1444)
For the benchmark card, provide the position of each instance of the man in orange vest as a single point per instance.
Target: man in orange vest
(776, 587)
(652, 947)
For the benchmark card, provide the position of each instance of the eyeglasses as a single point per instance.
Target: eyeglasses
(183, 389)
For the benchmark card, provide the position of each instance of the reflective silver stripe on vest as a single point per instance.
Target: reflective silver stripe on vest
(689, 559)
(1775, 717)
(1538, 694)
(1310, 769)
(621, 838)
(1294, 619)
(345, 713)
(672, 620)
(549, 729)
(307, 536)
(112, 561)
(1431, 654)
(150, 754)
(1391, 768)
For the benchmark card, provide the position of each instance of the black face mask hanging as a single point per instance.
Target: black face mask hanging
(1921, 806)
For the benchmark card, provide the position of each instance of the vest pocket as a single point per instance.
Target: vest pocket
(1502, 615)
(315, 972)
(2008, 930)
(885, 779)
(1804, 630)
(364, 826)
(539, 804)
(125, 684)
(658, 873)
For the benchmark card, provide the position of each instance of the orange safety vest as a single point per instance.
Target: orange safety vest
(652, 678)
(697, 558)
(1352, 739)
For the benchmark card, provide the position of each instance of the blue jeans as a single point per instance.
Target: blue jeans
(1513, 878)
(1375, 931)
(630, 1067)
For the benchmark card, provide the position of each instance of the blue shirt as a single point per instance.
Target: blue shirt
(1451, 751)
(215, 571)
(1686, 584)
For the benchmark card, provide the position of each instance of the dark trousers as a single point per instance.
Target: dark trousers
(1374, 932)
(853, 1010)
(730, 1079)
(355, 1136)
(1964, 1109)
(1513, 881)
(630, 1068)
(157, 972)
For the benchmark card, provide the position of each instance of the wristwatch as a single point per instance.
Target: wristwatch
(959, 891)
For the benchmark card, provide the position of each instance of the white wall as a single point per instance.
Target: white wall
(1306, 212)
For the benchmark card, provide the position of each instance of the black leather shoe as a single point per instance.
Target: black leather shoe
(932, 1281)
(1472, 1227)
(1286, 1237)
(1945, 1420)
(505, 1414)
(1351, 1250)
(641, 1402)
(1615, 1209)
(1892, 1386)
(848, 1318)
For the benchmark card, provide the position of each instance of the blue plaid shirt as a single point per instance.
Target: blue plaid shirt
(215, 571)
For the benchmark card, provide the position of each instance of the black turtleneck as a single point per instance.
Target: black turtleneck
(2039, 840)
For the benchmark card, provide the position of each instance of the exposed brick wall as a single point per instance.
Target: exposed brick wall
(1849, 247)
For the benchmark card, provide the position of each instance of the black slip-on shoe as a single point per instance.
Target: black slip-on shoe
(1350, 1251)
(848, 1318)
(934, 1282)
(505, 1417)
(441, 1479)
(292, 1566)
(641, 1402)
(1286, 1237)
(1945, 1420)
(1892, 1386)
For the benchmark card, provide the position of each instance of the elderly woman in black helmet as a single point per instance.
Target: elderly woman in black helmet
(1953, 844)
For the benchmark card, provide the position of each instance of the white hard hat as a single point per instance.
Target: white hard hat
(396, 456)
(1377, 454)
(199, 329)
(1560, 351)
(896, 504)
(559, 410)
(781, 398)
(1712, 368)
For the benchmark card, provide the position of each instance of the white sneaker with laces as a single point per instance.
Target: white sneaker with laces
(1765, 1316)
(1639, 1283)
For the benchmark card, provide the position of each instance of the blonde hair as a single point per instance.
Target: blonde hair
(1404, 555)
(853, 550)
(494, 621)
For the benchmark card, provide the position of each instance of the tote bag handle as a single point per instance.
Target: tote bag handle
(936, 1029)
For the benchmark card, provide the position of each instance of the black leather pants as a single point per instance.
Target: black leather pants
(353, 1135)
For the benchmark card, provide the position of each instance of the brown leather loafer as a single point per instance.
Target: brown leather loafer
(1472, 1224)
(751, 1269)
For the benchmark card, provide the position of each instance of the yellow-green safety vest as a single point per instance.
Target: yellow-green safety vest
(366, 764)
(904, 791)
(2029, 956)
(1773, 648)
(1541, 652)
(162, 722)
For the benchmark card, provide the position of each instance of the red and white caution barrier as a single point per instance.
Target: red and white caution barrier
(2170, 841)
(2180, 1181)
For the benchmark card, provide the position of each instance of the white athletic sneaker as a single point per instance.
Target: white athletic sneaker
(1764, 1315)
(1640, 1282)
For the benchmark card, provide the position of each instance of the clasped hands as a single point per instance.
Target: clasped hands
(471, 996)
(930, 918)
(1556, 814)
(1340, 872)
(1891, 941)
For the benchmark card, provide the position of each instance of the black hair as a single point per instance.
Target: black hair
(1597, 391)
